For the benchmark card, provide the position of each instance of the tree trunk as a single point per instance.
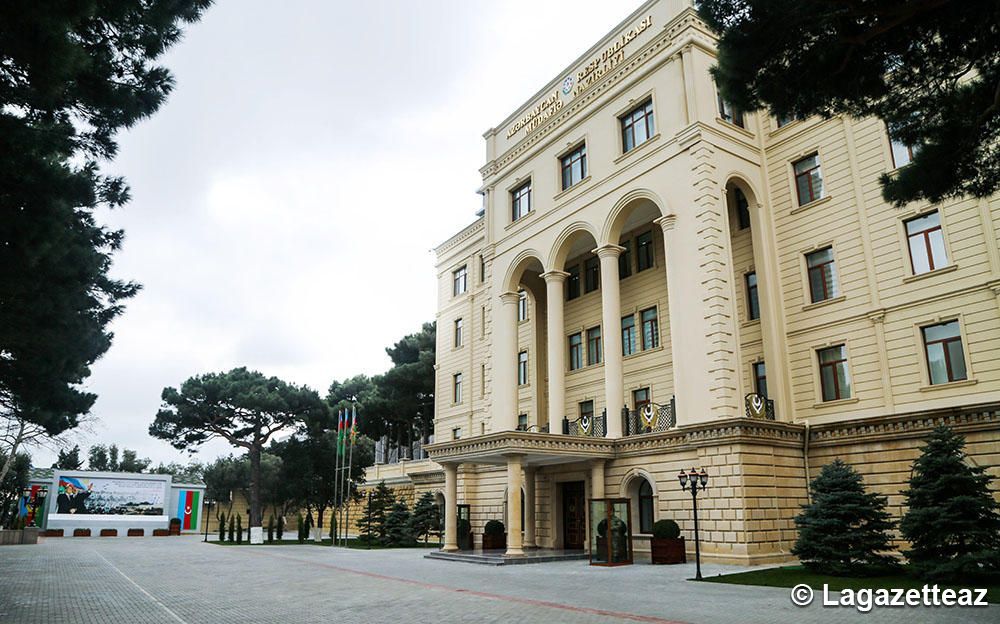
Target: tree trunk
(13, 452)
(255, 485)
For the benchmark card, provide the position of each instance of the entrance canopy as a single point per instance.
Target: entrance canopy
(534, 449)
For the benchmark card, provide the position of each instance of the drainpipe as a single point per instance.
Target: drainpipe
(805, 458)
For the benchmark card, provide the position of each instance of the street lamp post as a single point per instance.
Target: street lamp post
(208, 504)
(698, 482)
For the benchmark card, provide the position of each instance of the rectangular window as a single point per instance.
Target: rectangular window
(637, 126)
(522, 422)
(640, 398)
(902, 153)
(482, 380)
(808, 179)
(784, 120)
(945, 358)
(760, 379)
(926, 242)
(587, 409)
(520, 201)
(834, 378)
(753, 303)
(522, 305)
(730, 113)
(591, 274)
(625, 260)
(644, 251)
(573, 282)
(458, 333)
(574, 166)
(822, 275)
(482, 325)
(482, 269)
(593, 346)
(456, 433)
(460, 281)
(522, 368)
(650, 329)
(628, 335)
(457, 388)
(575, 351)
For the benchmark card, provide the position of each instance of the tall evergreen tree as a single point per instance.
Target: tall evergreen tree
(426, 517)
(929, 69)
(72, 75)
(844, 530)
(397, 525)
(953, 520)
(69, 459)
(372, 523)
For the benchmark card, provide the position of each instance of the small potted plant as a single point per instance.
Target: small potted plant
(667, 546)
(175, 526)
(494, 536)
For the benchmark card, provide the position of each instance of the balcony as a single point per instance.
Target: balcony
(650, 418)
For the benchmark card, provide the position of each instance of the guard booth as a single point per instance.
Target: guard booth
(610, 532)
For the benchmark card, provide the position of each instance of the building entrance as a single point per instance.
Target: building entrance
(574, 515)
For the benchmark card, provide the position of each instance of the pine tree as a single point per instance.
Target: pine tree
(222, 527)
(232, 528)
(239, 529)
(952, 521)
(426, 517)
(371, 524)
(270, 528)
(302, 529)
(845, 530)
(397, 525)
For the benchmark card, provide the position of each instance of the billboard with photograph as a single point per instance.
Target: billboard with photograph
(110, 496)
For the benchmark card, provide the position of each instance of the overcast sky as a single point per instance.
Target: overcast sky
(286, 197)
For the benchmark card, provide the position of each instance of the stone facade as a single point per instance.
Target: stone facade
(666, 272)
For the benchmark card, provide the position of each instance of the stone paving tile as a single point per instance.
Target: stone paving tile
(180, 580)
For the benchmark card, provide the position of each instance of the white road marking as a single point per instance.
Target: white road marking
(139, 587)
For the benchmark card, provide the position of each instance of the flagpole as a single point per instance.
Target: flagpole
(341, 457)
(350, 462)
(336, 483)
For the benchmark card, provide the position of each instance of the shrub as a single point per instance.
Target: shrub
(302, 529)
(270, 528)
(952, 521)
(222, 527)
(845, 530)
(239, 529)
(281, 527)
(494, 528)
(666, 529)
(232, 527)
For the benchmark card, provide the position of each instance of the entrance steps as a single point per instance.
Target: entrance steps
(498, 558)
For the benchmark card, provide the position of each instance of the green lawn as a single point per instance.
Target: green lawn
(791, 576)
(351, 543)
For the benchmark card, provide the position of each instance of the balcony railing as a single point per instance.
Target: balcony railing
(650, 418)
(594, 426)
(759, 406)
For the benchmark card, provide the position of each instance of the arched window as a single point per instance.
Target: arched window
(645, 507)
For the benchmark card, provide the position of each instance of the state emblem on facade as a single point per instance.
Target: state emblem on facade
(567, 85)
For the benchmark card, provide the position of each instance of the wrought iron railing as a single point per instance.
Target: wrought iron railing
(650, 418)
(594, 426)
(759, 406)
(533, 428)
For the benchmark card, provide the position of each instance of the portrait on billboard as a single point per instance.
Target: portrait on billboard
(108, 496)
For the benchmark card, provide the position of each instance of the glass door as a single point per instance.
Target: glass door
(610, 531)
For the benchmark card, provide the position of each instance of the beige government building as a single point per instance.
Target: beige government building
(658, 282)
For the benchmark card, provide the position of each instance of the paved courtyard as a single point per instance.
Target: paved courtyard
(180, 580)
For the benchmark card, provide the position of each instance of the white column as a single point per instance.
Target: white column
(611, 311)
(554, 295)
(529, 507)
(597, 478)
(514, 541)
(505, 364)
(450, 507)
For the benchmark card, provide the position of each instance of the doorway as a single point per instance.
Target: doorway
(574, 515)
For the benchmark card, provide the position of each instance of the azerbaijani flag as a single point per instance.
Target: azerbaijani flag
(187, 509)
(340, 432)
(354, 425)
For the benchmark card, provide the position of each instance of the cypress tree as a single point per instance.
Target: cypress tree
(952, 521)
(281, 527)
(845, 530)
(302, 529)
(270, 528)
(239, 529)
(232, 528)
(222, 527)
